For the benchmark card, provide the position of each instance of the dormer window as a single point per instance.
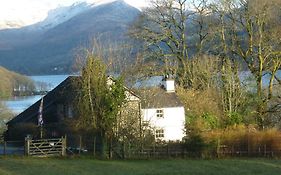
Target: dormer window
(159, 113)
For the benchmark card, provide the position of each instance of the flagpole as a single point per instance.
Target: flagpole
(40, 118)
(41, 132)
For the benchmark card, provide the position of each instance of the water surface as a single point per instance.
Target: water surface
(19, 104)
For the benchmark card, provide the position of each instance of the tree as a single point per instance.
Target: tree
(99, 100)
(5, 116)
(275, 66)
(162, 29)
(229, 68)
(201, 23)
(246, 34)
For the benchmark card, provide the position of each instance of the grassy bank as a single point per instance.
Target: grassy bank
(84, 166)
(10, 80)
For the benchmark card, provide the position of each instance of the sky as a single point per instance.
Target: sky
(30, 11)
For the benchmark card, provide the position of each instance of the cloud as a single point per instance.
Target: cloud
(31, 11)
(24, 10)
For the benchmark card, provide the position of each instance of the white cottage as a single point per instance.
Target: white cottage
(163, 111)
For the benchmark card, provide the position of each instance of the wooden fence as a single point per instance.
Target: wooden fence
(45, 147)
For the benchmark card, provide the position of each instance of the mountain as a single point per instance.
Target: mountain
(49, 47)
(60, 15)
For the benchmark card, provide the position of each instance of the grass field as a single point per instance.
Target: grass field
(85, 166)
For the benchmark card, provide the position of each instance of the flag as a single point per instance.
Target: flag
(40, 116)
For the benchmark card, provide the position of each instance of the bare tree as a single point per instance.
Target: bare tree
(201, 23)
(162, 29)
(246, 34)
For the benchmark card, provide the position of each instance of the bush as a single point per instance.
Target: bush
(246, 140)
(195, 145)
(234, 118)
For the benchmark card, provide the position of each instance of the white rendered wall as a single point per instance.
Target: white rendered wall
(172, 123)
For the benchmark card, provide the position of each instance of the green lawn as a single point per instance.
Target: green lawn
(83, 166)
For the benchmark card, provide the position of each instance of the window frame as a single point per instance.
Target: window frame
(160, 113)
(69, 111)
(159, 133)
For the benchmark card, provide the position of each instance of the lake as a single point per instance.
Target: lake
(19, 104)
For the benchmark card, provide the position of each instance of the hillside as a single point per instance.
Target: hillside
(50, 48)
(11, 80)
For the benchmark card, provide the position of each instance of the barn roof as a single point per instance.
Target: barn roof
(61, 91)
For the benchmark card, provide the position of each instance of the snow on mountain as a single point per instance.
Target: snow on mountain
(53, 50)
(44, 16)
(134, 3)
(100, 2)
(63, 13)
(60, 15)
(9, 24)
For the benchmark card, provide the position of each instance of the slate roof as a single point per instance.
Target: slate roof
(157, 97)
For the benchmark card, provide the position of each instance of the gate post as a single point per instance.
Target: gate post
(63, 151)
(27, 146)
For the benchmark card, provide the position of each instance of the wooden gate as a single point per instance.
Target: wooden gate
(45, 147)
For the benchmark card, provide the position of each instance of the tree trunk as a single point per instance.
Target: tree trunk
(102, 144)
(270, 88)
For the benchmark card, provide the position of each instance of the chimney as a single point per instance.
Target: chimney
(109, 81)
(169, 84)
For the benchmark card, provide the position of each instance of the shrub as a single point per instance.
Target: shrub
(245, 140)
(195, 144)
(234, 118)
